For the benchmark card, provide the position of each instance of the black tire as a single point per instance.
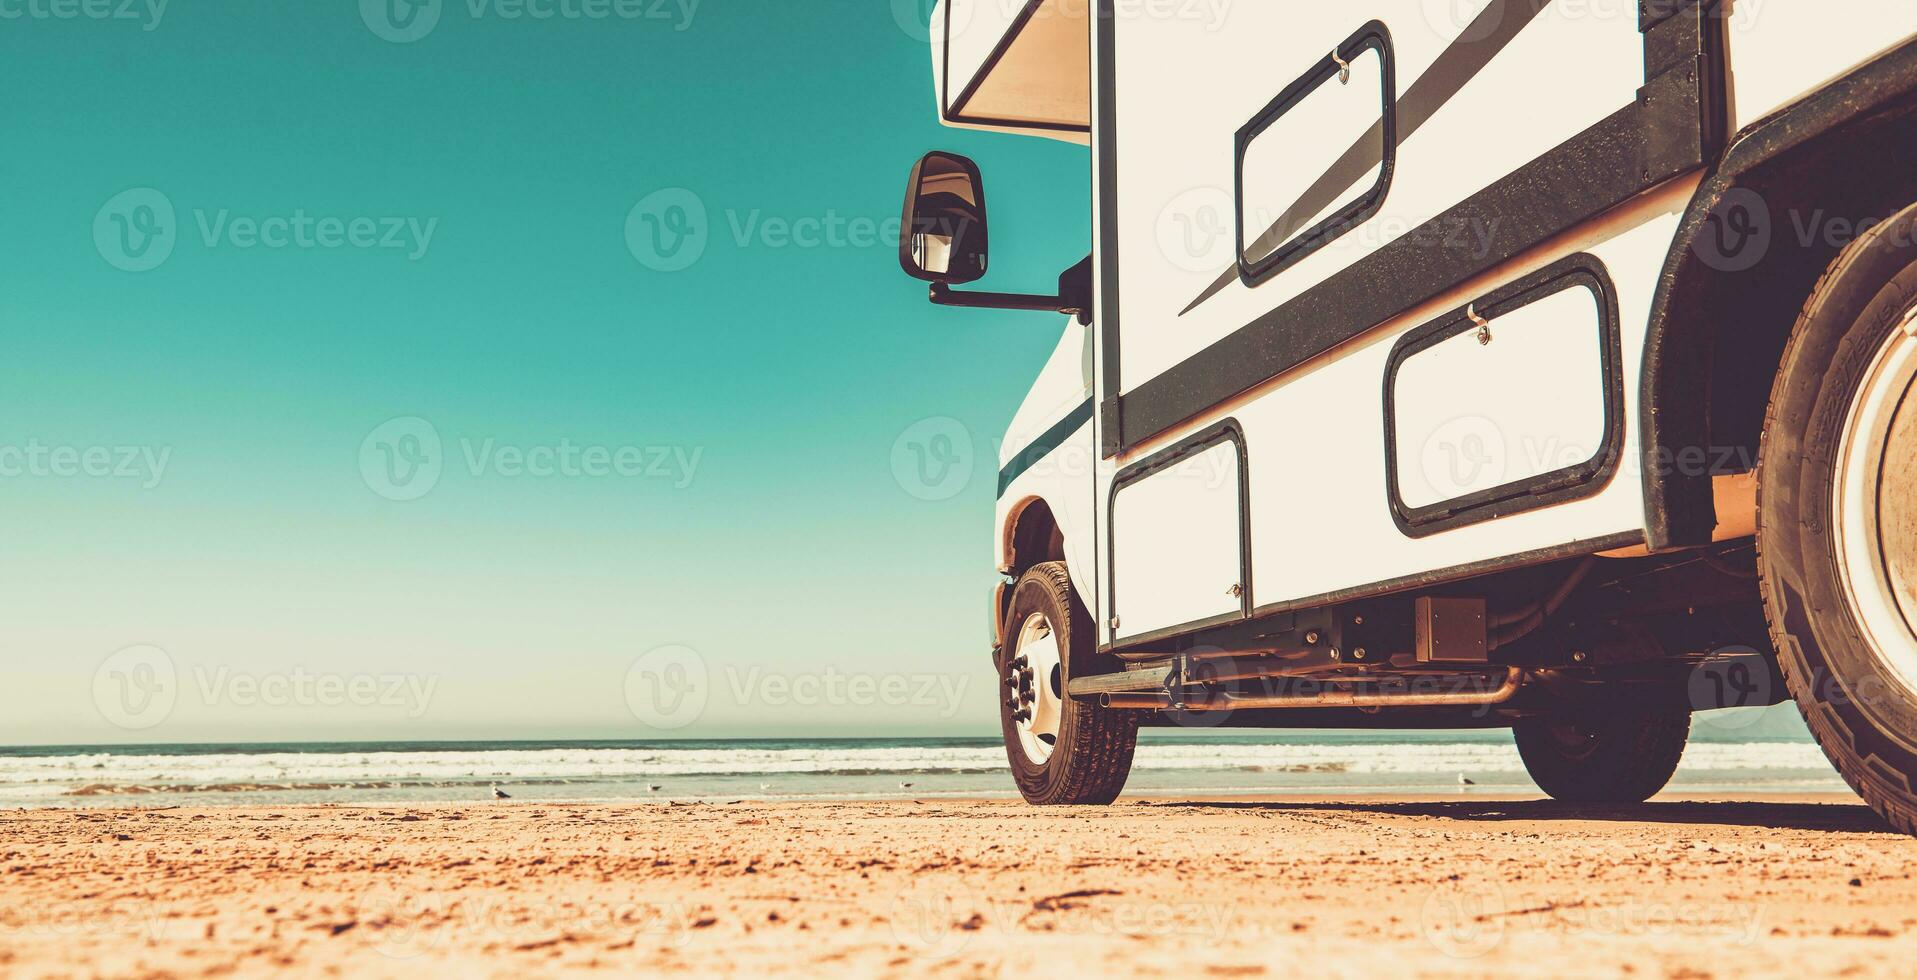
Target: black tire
(1863, 718)
(1092, 756)
(1604, 754)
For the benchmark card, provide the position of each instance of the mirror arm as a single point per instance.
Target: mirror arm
(943, 295)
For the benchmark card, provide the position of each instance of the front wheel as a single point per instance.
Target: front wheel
(1062, 751)
(1610, 754)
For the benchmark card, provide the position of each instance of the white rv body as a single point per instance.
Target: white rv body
(1455, 363)
(1782, 50)
(1316, 519)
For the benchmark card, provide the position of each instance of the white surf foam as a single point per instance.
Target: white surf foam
(37, 777)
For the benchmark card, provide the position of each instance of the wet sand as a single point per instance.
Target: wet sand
(1458, 886)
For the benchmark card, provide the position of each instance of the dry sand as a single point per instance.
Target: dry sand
(1455, 887)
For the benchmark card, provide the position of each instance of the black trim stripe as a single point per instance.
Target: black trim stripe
(1042, 447)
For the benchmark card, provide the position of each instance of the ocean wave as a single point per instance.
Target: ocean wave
(114, 774)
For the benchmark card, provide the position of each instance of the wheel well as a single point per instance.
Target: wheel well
(1033, 536)
(1819, 204)
(1728, 301)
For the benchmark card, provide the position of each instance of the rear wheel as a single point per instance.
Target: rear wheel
(1609, 754)
(1062, 751)
(1837, 516)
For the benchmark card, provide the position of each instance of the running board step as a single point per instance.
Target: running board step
(1215, 667)
(1125, 681)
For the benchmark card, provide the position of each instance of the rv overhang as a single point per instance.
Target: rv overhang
(1014, 66)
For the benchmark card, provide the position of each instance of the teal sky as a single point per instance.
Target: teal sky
(786, 373)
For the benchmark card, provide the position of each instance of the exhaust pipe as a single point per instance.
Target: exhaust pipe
(1324, 699)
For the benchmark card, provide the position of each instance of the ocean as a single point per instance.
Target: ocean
(1729, 752)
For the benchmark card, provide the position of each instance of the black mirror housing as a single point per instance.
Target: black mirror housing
(943, 232)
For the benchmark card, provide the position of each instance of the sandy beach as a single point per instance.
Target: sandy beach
(1459, 886)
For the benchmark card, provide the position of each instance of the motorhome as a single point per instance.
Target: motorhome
(1532, 364)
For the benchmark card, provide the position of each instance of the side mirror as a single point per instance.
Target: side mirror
(943, 239)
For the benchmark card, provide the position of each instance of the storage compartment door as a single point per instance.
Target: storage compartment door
(1178, 532)
(1510, 404)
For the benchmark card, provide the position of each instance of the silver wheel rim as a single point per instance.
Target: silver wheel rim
(1035, 698)
(1874, 511)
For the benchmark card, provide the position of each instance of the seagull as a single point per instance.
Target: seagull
(765, 787)
(905, 785)
(1464, 780)
(500, 794)
(652, 787)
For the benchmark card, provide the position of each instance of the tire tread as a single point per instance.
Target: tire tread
(1865, 772)
(1639, 752)
(1096, 744)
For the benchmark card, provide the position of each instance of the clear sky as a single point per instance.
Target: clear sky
(644, 256)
